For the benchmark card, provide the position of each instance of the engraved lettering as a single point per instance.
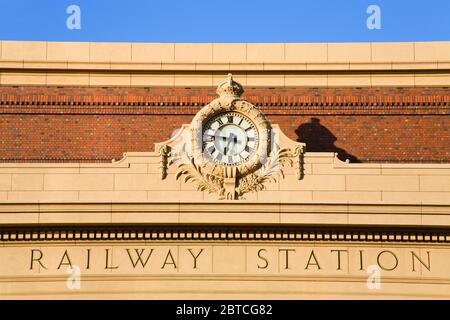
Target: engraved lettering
(286, 263)
(172, 261)
(339, 257)
(316, 263)
(62, 263)
(414, 257)
(384, 267)
(266, 262)
(107, 266)
(195, 257)
(37, 259)
(139, 253)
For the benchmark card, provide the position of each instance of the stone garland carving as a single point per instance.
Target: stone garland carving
(269, 172)
(256, 181)
(164, 153)
(298, 153)
(195, 173)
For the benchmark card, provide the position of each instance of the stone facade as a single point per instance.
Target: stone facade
(141, 226)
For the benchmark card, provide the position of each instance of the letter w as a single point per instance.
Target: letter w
(139, 253)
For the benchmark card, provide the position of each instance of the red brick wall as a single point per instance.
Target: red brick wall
(99, 124)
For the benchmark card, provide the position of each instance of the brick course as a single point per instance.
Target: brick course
(71, 124)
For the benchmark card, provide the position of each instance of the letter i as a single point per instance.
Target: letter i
(88, 259)
(361, 260)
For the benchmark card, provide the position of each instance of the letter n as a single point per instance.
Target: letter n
(415, 256)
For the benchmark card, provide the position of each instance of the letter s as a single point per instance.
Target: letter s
(262, 258)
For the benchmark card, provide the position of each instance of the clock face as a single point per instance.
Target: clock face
(230, 138)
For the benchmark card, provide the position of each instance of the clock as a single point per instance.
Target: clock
(229, 138)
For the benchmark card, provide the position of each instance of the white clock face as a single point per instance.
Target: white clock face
(230, 138)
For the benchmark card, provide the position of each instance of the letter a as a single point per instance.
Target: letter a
(74, 20)
(374, 21)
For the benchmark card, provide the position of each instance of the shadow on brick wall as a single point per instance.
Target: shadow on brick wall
(319, 139)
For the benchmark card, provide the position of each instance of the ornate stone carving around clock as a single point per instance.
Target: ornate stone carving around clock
(230, 148)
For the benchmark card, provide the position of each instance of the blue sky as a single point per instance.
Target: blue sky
(225, 21)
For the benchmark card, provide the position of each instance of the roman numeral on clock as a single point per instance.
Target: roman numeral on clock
(211, 150)
(230, 119)
(220, 121)
(248, 149)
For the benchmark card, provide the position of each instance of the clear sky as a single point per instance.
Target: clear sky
(225, 21)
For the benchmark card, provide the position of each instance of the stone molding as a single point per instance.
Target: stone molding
(226, 212)
(190, 56)
(120, 100)
(185, 64)
(225, 234)
(15, 65)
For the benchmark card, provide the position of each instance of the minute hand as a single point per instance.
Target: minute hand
(230, 139)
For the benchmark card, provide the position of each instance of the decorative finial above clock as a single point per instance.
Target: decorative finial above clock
(230, 88)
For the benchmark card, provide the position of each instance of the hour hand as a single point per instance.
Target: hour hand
(223, 138)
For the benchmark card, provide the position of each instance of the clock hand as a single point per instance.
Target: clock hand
(224, 138)
(229, 141)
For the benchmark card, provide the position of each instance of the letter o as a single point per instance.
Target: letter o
(395, 257)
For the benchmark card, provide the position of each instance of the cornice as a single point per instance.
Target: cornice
(226, 206)
(226, 213)
(169, 100)
(186, 66)
(197, 233)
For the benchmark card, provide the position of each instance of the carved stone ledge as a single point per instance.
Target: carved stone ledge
(226, 234)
